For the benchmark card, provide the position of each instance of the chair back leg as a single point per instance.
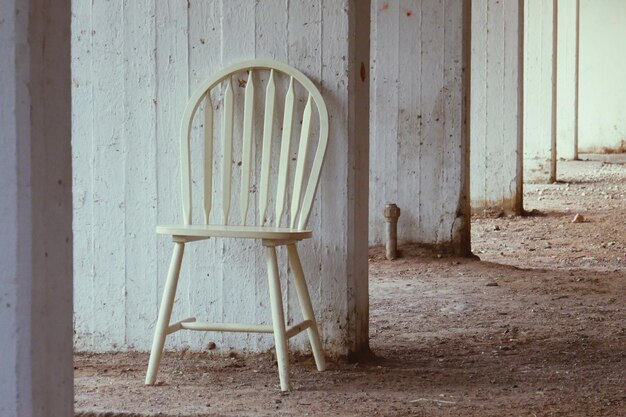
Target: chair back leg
(306, 306)
(278, 318)
(165, 313)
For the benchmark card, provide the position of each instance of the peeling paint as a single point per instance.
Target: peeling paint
(620, 148)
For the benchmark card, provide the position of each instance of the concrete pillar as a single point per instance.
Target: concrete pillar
(419, 120)
(133, 70)
(35, 210)
(537, 89)
(555, 102)
(567, 107)
(497, 105)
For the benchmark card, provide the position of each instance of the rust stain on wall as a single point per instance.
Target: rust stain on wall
(620, 148)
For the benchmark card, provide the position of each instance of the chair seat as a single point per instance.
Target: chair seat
(244, 232)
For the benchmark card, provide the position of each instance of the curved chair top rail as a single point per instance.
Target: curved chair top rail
(300, 205)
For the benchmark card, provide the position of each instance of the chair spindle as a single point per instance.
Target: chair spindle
(283, 170)
(227, 137)
(208, 156)
(302, 152)
(248, 117)
(268, 130)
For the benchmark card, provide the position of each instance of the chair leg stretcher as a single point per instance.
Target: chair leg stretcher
(191, 324)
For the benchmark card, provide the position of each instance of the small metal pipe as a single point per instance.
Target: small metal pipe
(392, 212)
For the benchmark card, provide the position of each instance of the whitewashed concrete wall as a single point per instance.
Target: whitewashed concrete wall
(602, 123)
(496, 105)
(537, 89)
(134, 66)
(35, 210)
(566, 80)
(418, 152)
(602, 69)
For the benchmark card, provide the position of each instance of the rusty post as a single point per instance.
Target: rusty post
(392, 212)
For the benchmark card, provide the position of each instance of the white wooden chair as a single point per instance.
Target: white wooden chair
(285, 231)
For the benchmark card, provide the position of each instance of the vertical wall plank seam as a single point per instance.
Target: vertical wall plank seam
(502, 138)
(124, 152)
(288, 4)
(487, 114)
(396, 87)
(156, 152)
(221, 246)
(421, 119)
(153, 310)
(188, 282)
(93, 181)
(442, 153)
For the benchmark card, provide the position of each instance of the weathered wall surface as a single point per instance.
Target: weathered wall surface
(496, 106)
(134, 67)
(566, 79)
(602, 123)
(537, 89)
(418, 137)
(15, 370)
(35, 210)
(602, 64)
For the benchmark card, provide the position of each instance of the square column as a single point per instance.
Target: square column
(419, 149)
(497, 105)
(36, 370)
(567, 79)
(140, 62)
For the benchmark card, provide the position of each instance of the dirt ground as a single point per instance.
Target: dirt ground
(536, 327)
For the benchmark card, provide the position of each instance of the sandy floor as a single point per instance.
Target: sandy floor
(537, 327)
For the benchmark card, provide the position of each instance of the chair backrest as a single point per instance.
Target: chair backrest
(305, 177)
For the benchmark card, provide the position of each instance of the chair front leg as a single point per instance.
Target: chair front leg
(278, 318)
(306, 306)
(165, 313)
